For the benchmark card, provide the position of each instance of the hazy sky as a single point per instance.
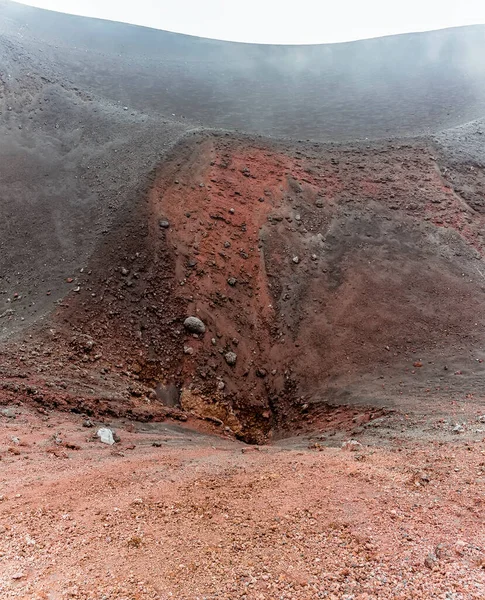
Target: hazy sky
(280, 21)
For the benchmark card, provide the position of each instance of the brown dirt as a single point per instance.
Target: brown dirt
(198, 517)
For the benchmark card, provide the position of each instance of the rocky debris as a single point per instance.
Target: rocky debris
(194, 325)
(481, 419)
(106, 436)
(88, 423)
(232, 270)
(231, 358)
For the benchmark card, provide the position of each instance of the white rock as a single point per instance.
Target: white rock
(458, 428)
(106, 436)
(231, 358)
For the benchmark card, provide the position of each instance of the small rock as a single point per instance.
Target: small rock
(188, 350)
(89, 345)
(106, 436)
(430, 560)
(88, 423)
(460, 547)
(124, 271)
(458, 428)
(232, 281)
(442, 551)
(194, 325)
(481, 419)
(221, 385)
(296, 260)
(10, 413)
(261, 372)
(231, 358)
(163, 224)
(352, 445)
(214, 420)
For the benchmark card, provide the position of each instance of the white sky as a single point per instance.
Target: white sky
(280, 21)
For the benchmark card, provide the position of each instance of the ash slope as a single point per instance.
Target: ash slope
(398, 85)
(88, 108)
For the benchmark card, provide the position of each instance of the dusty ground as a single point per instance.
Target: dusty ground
(201, 517)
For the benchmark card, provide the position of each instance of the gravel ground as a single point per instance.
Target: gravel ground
(201, 517)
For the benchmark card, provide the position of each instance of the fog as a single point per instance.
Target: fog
(270, 21)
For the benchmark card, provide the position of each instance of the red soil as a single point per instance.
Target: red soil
(197, 518)
(328, 271)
